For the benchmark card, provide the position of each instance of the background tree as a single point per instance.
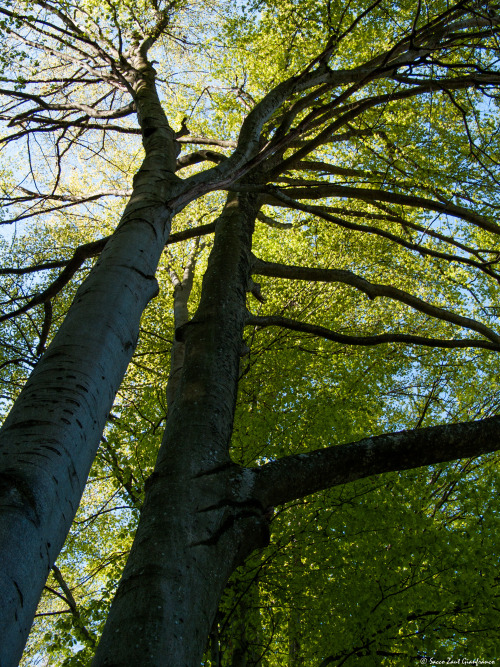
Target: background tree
(357, 147)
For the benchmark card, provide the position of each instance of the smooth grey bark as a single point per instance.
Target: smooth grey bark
(199, 507)
(300, 475)
(203, 514)
(50, 438)
(198, 520)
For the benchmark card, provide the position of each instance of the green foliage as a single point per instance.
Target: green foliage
(383, 571)
(368, 573)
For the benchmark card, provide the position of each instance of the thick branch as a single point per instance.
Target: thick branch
(297, 476)
(182, 292)
(79, 256)
(322, 190)
(43, 104)
(47, 321)
(278, 198)
(323, 332)
(207, 141)
(350, 111)
(192, 233)
(199, 156)
(372, 290)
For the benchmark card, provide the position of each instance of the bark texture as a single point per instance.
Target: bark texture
(297, 476)
(202, 514)
(199, 519)
(50, 438)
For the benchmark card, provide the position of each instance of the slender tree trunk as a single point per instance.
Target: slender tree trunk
(50, 438)
(182, 292)
(68, 596)
(198, 520)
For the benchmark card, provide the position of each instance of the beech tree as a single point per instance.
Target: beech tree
(354, 174)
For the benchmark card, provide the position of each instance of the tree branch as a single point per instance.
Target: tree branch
(47, 321)
(321, 190)
(323, 332)
(72, 265)
(68, 596)
(208, 141)
(278, 198)
(199, 156)
(300, 475)
(372, 290)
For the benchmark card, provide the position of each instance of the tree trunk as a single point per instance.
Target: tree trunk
(199, 520)
(50, 438)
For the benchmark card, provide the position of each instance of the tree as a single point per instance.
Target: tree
(362, 137)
